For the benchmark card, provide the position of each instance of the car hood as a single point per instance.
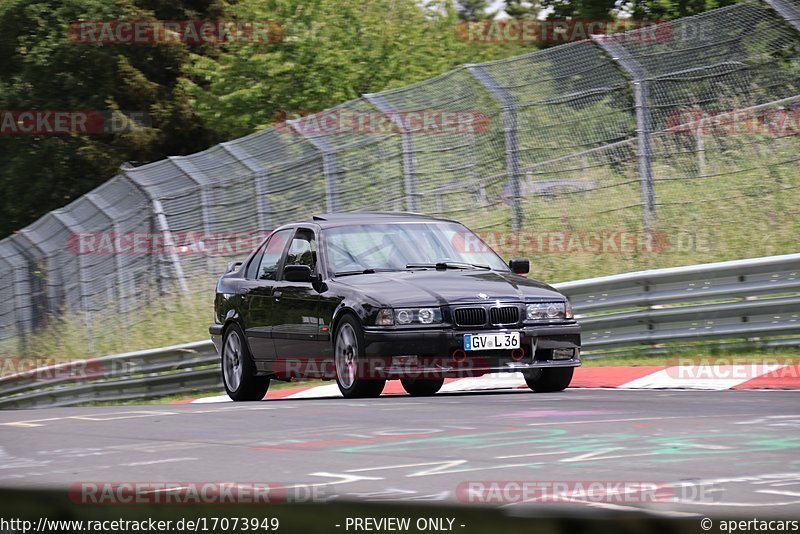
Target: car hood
(418, 287)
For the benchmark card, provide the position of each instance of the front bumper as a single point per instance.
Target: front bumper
(433, 352)
(385, 342)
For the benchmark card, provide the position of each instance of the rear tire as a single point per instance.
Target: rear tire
(238, 369)
(550, 380)
(422, 387)
(349, 359)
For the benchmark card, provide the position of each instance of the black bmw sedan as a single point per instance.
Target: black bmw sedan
(367, 297)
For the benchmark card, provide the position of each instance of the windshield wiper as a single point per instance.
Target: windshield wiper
(368, 270)
(349, 273)
(443, 265)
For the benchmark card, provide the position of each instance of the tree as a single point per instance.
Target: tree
(331, 51)
(672, 9)
(474, 10)
(580, 9)
(44, 68)
(638, 9)
(518, 9)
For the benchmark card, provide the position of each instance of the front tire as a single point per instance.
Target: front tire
(422, 387)
(550, 380)
(238, 369)
(349, 358)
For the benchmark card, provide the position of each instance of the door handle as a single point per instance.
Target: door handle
(277, 295)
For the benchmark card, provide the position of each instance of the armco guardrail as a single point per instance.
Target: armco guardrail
(744, 301)
(132, 375)
(736, 301)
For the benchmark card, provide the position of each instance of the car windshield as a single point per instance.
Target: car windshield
(410, 245)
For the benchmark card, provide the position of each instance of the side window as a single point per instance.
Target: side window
(252, 267)
(303, 250)
(268, 268)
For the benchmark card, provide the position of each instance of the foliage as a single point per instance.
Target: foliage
(44, 69)
(331, 51)
(672, 9)
(517, 9)
(580, 9)
(474, 10)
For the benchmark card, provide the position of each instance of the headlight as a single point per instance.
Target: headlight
(385, 317)
(568, 310)
(427, 315)
(539, 311)
(403, 316)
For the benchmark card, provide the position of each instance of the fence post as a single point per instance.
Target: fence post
(329, 169)
(22, 324)
(259, 175)
(786, 10)
(71, 225)
(409, 164)
(163, 226)
(701, 149)
(92, 199)
(511, 140)
(643, 124)
(38, 275)
(194, 174)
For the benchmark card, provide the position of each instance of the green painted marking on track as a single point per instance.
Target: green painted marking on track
(651, 449)
(476, 440)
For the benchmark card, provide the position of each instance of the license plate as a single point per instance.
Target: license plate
(491, 341)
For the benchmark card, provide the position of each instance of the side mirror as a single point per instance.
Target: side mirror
(232, 266)
(520, 265)
(297, 273)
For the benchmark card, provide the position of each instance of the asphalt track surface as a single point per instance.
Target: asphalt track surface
(711, 453)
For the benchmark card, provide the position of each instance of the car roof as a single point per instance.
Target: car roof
(367, 217)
